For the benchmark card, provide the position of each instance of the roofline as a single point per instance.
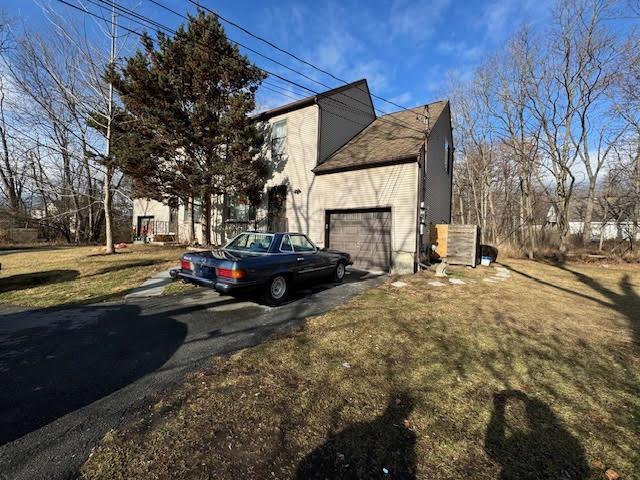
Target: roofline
(363, 166)
(422, 105)
(306, 102)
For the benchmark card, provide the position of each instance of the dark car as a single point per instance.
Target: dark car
(273, 262)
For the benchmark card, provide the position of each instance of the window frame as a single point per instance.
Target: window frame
(231, 202)
(283, 138)
(286, 237)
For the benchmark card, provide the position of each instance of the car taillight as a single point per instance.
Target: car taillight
(231, 273)
(186, 265)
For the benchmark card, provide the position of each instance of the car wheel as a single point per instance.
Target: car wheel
(277, 290)
(339, 272)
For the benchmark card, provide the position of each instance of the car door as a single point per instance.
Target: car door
(311, 264)
(295, 263)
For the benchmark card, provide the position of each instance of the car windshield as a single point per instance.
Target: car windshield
(251, 242)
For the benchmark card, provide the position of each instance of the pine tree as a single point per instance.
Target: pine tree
(186, 131)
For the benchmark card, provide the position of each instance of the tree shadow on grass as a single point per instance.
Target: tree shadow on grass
(125, 266)
(531, 443)
(54, 361)
(383, 448)
(23, 281)
(627, 303)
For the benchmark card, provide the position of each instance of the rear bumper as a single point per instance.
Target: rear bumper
(217, 284)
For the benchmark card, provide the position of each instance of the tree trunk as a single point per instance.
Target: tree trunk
(192, 223)
(206, 218)
(108, 232)
(530, 226)
(588, 214)
(108, 176)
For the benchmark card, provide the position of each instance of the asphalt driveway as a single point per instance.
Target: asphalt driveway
(68, 375)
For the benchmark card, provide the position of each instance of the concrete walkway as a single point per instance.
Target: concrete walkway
(154, 287)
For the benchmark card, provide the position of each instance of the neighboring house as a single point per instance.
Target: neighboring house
(612, 229)
(348, 179)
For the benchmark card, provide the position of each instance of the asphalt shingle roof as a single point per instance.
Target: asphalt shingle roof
(385, 140)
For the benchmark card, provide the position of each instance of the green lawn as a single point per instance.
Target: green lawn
(63, 275)
(536, 377)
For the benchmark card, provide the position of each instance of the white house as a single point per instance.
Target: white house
(348, 179)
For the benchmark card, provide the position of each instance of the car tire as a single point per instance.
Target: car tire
(339, 272)
(277, 290)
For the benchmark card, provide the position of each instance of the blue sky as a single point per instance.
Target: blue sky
(405, 48)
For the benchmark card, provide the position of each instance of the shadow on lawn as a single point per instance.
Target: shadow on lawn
(627, 303)
(125, 266)
(382, 448)
(54, 361)
(532, 445)
(23, 281)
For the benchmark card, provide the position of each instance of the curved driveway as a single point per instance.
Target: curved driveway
(68, 375)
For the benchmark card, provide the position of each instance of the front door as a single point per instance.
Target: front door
(145, 226)
(277, 209)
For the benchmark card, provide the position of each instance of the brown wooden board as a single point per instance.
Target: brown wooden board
(462, 245)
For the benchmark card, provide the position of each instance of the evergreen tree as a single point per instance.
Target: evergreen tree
(186, 131)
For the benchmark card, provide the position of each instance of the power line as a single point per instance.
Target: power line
(155, 2)
(264, 70)
(173, 31)
(282, 50)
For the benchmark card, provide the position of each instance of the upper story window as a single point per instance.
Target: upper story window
(278, 137)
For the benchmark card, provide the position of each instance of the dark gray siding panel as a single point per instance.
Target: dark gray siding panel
(437, 178)
(342, 116)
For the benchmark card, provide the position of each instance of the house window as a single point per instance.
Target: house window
(278, 137)
(197, 209)
(447, 156)
(239, 209)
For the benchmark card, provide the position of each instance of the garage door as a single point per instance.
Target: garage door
(365, 234)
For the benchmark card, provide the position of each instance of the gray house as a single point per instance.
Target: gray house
(347, 178)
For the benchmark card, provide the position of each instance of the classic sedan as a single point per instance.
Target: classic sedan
(274, 262)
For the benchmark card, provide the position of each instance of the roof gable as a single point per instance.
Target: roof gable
(392, 138)
(307, 101)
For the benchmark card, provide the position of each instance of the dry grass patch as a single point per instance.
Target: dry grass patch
(64, 275)
(535, 377)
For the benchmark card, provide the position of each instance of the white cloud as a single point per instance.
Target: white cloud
(460, 49)
(404, 99)
(416, 18)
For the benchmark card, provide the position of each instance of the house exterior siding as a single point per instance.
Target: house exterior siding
(144, 207)
(342, 116)
(316, 130)
(390, 186)
(437, 181)
(294, 170)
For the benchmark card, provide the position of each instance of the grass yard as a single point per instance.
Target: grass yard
(537, 377)
(64, 275)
